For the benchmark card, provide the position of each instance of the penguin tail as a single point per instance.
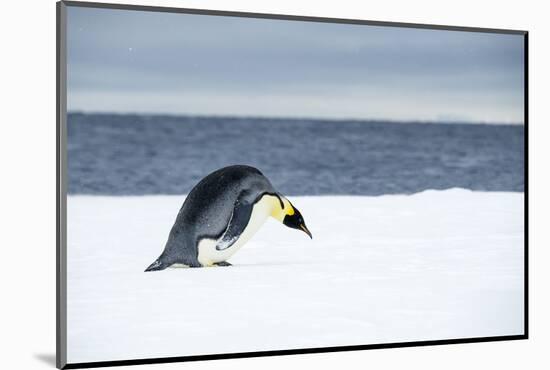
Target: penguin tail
(158, 265)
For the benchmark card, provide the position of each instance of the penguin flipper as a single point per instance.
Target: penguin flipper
(237, 224)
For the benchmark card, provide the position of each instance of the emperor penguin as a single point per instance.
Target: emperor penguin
(220, 214)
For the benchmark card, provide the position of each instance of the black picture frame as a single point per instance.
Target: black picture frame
(61, 187)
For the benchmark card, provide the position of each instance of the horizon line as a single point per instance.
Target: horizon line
(298, 118)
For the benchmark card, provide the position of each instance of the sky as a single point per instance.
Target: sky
(150, 62)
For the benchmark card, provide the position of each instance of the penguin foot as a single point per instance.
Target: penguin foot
(223, 263)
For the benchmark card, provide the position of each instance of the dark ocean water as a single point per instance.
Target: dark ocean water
(142, 154)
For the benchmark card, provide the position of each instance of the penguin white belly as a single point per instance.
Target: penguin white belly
(208, 254)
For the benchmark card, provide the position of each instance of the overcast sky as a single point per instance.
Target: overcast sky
(133, 61)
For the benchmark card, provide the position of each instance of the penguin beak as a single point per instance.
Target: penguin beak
(304, 229)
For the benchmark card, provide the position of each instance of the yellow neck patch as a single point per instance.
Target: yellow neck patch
(277, 212)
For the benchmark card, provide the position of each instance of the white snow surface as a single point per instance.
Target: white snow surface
(433, 265)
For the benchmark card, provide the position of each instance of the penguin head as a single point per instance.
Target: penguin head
(293, 218)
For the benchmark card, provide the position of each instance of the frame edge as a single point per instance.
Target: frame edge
(526, 183)
(286, 17)
(61, 188)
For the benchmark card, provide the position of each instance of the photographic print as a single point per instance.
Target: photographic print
(249, 185)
